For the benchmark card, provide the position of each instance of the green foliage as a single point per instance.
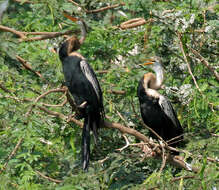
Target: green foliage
(52, 146)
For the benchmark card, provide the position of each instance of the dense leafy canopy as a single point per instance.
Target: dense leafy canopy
(183, 33)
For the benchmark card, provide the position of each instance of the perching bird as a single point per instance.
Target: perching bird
(84, 87)
(156, 110)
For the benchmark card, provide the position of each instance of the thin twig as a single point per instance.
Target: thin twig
(119, 92)
(28, 66)
(188, 65)
(202, 59)
(164, 158)
(104, 8)
(56, 105)
(97, 10)
(182, 177)
(102, 71)
(48, 178)
(12, 154)
(4, 88)
(127, 143)
(42, 96)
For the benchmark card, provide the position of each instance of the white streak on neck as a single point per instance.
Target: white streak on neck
(83, 31)
(159, 78)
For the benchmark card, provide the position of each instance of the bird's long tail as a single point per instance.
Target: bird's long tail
(86, 142)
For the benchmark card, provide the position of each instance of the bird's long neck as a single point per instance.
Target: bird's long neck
(63, 51)
(159, 78)
(69, 46)
(83, 32)
(153, 82)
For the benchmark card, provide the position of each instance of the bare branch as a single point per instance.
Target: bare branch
(126, 145)
(104, 8)
(7, 29)
(43, 35)
(12, 154)
(202, 59)
(102, 71)
(42, 96)
(47, 36)
(28, 66)
(188, 65)
(97, 10)
(164, 158)
(48, 178)
(56, 105)
(119, 92)
(4, 88)
(182, 177)
(20, 1)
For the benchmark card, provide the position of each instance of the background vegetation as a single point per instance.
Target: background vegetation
(41, 151)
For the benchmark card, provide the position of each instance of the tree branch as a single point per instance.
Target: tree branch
(174, 160)
(119, 92)
(186, 60)
(97, 10)
(48, 178)
(47, 36)
(4, 88)
(202, 59)
(43, 35)
(12, 154)
(7, 29)
(28, 66)
(104, 8)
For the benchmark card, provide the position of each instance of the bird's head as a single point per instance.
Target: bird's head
(154, 63)
(83, 26)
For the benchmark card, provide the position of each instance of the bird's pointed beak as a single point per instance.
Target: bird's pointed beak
(149, 62)
(74, 19)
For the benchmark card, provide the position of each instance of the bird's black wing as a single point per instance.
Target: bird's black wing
(168, 110)
(90, 75)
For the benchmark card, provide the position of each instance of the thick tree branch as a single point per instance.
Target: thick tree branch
(7, 29)
(43, 35)
(156, 148)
